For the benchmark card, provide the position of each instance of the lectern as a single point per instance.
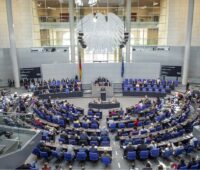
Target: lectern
(103, 94)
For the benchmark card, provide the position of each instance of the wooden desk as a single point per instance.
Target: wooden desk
(86, 130)
(64, 146)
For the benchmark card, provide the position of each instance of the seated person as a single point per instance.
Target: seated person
(181, 164)
(93, 149)
(83, 148)
(152, 145)
(70, 149)
(94, 137)
(46, 166)
(141, 147)
(106, 154)
(142, 130)
(129, 148)
(192, 162)
(147, 166)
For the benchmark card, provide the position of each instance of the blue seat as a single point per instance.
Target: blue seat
(189, 149)
(153, 130)
(178, 151)
(62, 140)
(93, 156)
(167, 154)
(90, 113)
(105, 143)
(144, 89)
(121, 125)
(67, 91)
(106, 160)
(96, 143)
(137, 89)
(113, 126)
(81, 156)
(130, 125)
(155, 152)
(68, 156)
(76, 125)
(94, 126)
(183, 168)
(85, 125)
(131, 89)
(125, 88)
(56, 154)
(195, 167)
(72, 142)
(131, 156)
(61, 122)
(144, 155)
(150, 90)
(137, 141)
(43, 155)
(36, 151)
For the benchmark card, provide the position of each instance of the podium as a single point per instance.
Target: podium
(103, 94)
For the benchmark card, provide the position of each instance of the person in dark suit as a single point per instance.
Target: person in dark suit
(141, 147)
(187, 86)
(129, 148)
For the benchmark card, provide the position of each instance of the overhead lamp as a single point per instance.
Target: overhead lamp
(92, 2)
(155, 3)
(79, 2)
(51, 8)
(143, 7)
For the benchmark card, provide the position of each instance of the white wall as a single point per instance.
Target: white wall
(91, 71)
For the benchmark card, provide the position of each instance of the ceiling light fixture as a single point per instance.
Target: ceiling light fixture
(92, 2)
(155, 3)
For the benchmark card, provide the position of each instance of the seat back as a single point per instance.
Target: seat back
(167, 154)
(144, 154)
(43, 155)
(195, 167)
(81, 156)
(155, 152)
(93, 156)
(106, 160)
(131, 155)
(68, 156)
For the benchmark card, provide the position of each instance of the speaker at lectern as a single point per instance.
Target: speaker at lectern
(103, 94)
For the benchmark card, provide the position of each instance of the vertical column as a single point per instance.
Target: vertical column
(13, 52)
(71, 25)
(128, 29)
(186, 60)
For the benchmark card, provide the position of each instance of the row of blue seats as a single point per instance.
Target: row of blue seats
(131, 89)
(80, 156)
(75, 142)
(155, 153)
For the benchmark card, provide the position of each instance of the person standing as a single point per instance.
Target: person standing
(187, 86)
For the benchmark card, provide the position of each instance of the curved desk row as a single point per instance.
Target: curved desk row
(101, 149)
(61, 95)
